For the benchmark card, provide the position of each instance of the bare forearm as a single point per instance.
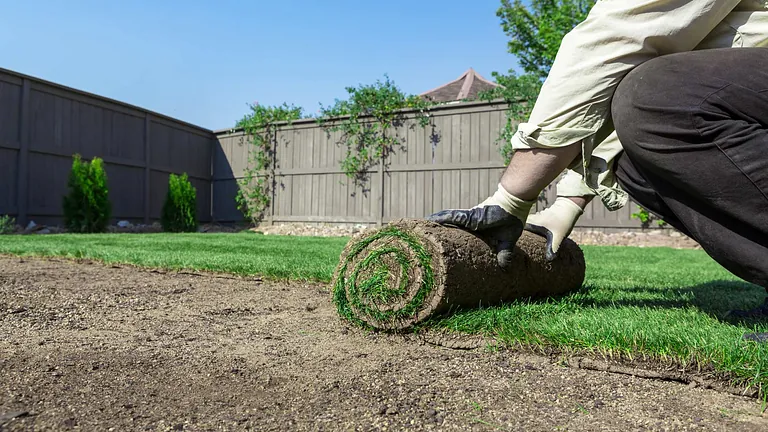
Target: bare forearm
(530, 171)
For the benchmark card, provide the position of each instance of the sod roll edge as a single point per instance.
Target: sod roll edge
(394, 277)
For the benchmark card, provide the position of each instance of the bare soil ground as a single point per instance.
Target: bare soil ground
(93, 347)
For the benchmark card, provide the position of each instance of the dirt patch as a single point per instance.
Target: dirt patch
(97, 347)
(650, 238)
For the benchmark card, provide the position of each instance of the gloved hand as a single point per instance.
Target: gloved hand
(499, 219)
(555, 223)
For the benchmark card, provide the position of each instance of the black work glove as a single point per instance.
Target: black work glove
(499, 219)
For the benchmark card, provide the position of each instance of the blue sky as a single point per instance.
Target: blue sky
(204, 61)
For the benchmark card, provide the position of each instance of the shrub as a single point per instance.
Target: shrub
(647, 217)
(7, 224)
(180, 205)
(87, 208)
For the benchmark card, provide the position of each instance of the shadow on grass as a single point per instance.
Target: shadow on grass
(714, 298)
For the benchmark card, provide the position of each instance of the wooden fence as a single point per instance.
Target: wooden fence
(43, 124)
(454, 163)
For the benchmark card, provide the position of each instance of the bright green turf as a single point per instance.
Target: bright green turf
(661, 302)
(305, 258)
(657, 301)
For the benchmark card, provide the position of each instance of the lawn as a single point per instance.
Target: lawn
(664, 303)
(302, 258)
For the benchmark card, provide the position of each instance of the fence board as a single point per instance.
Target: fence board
(8, 181)
(10, 97)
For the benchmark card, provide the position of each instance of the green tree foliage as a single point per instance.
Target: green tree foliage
(535, 30)
(87, 208)
(179, 209)
(261, 126)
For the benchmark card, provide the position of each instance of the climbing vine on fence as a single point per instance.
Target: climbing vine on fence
(260, 127)
(368, 121)
(646, 218)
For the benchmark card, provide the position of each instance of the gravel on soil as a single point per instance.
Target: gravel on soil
(639, 238)
(98, 347)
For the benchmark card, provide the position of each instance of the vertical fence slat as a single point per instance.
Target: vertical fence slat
(147, 169)
(22, 195)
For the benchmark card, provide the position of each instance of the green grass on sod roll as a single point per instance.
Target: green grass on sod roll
(661, 303)
(353, 292)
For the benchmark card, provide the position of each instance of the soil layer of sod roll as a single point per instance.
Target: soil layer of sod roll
(399, 275)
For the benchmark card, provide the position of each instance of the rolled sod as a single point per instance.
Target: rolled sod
(402, 274)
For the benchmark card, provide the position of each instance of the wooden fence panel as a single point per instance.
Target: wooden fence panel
(454, 162)
(10, 100)
(10, 141)
(9, 159)
(42, 125)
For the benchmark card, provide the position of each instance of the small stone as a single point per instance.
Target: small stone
(382, 409)
(392, 411)
(431, 413)
(124, 224)
(12, 415)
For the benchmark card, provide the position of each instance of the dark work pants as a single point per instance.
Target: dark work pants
(694, 127)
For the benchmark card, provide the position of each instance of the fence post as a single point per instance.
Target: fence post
(272, 180)
(147, 170)
(22, 171)
(212, 170)
(380, 222)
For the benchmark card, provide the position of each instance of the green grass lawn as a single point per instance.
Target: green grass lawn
(664, 303)
(305, 258)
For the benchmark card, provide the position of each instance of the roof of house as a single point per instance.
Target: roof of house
(467, 86)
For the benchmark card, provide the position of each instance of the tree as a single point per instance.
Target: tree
(535, 32)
